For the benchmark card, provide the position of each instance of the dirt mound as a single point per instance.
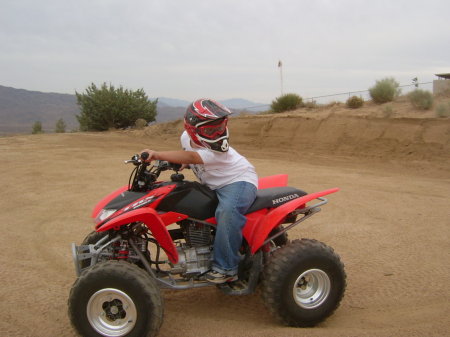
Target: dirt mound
(336, 130)
(407, 138)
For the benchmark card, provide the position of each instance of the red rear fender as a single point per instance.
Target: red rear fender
(155, 224)
(256, 232)
(278, 180)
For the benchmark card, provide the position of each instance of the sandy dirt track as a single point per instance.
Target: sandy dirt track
(390, 223)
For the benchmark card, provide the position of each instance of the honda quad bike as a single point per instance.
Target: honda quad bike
(153, 234)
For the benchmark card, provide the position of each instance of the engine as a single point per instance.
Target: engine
(195, 254)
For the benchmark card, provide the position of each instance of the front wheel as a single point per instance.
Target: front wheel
(304, 283)
(116, 298)
(91, 239)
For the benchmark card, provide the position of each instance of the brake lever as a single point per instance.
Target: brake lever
(134, 160)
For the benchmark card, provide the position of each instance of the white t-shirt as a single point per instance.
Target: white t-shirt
(220, 168)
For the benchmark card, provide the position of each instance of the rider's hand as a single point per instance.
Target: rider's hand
(151, 155)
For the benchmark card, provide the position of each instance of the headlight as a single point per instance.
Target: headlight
(104, 214)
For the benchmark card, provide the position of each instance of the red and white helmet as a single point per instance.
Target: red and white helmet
(205, 121)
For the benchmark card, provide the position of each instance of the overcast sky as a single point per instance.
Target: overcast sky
(221, 49)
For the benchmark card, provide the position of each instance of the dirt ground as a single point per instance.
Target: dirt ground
(390, 223)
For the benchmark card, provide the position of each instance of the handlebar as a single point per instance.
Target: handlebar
(163, 165)
(142, 178)
(134, 160)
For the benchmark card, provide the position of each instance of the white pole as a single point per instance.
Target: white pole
(280, 65)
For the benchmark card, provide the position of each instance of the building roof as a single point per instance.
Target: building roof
(446, 76)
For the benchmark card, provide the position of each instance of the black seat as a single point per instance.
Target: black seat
(274, 197)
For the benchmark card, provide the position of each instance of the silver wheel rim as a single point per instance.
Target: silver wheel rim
(311, 288)
(111, 312)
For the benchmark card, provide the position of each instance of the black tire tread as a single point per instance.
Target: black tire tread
(278, 265)
(93, 237)
(147, 285)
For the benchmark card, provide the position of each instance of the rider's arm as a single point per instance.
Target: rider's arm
(177, 157)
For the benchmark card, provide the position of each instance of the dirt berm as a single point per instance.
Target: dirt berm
(301, 135)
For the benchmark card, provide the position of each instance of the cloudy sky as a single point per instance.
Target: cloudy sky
(221, 49)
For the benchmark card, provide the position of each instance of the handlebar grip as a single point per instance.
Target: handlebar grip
(144, 155)
(176, 167)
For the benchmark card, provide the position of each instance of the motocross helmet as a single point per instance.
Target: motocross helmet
(205, 121)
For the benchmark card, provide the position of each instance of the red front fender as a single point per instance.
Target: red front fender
(155, 224)
(102, 203)
(257, 232)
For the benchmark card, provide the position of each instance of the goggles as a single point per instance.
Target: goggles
(212, 129)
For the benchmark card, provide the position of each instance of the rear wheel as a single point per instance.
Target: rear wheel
(282, 239)
(116, 298)
(304, 283)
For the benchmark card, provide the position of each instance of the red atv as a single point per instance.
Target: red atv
(155, 234)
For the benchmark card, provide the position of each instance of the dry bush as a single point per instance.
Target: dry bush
(140, 123)
(355, 102)
(286, 102)
(421, 99)
(443, 110)
(385, 90)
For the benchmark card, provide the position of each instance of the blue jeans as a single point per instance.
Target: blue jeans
(234, 200)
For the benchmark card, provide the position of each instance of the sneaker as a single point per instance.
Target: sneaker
(218, 278)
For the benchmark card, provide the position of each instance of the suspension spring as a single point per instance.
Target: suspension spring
(123, 251)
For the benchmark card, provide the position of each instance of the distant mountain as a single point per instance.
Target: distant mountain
(20, 108)
(235, 104)
(168, 113)
(240, 104)
(170, 109)
(172, 102)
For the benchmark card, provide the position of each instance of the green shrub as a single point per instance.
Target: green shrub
(60, 126)
(108, 107)
(385, 90)
(286, 102)
(443, 110)
(140, 123)
(355, 102)
(421, 99)
(37, 128)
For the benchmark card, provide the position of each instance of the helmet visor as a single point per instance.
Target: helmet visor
(213, 129)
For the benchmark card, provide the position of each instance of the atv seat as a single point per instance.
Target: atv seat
(274, 197)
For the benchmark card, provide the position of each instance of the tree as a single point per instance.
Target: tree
(60, 126)
(107, 107)
(37, 128)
